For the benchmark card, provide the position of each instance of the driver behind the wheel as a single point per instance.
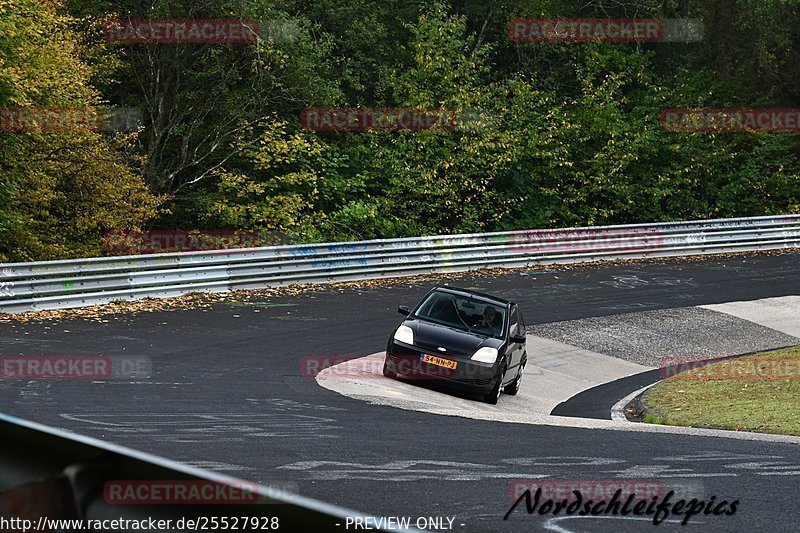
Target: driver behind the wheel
(491, 319)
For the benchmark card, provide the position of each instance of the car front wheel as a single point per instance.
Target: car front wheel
(387, 372)
(493, 396)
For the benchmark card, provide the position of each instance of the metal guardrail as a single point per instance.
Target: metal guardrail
(84, 282)
(49, 474)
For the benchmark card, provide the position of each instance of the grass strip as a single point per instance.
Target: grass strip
(759, 392)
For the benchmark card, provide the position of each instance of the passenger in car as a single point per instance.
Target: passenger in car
(491, 319)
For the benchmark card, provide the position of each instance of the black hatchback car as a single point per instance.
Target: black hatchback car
(464, 338)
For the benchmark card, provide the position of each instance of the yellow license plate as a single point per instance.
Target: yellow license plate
(439, 361)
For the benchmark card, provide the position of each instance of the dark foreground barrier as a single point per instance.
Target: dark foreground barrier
(51, 480)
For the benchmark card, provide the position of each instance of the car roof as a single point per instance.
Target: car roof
(475, 294)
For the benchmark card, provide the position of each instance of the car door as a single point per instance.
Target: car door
(522, 352)
(515, 349)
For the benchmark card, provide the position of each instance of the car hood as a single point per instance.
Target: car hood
(455, 342)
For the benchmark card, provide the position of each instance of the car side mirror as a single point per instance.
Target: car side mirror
(518, 339)
(403, 310)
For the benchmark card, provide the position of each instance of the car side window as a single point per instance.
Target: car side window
(521, 329)
(514, 321)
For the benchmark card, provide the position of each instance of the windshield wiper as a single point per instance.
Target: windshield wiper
(469, 330)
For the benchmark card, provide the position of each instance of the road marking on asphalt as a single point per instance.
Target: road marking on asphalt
(686, 479)
(716, 456)
(211, 426)
(218, 466)
(562, 461)
(408, 470)
(552, 524)
(661, 471)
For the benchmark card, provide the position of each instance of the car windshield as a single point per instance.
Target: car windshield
(463, 313)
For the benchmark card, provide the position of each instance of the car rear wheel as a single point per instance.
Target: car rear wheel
(493, 396)
(513, 389)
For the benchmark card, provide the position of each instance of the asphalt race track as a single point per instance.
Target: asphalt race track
(228, 393)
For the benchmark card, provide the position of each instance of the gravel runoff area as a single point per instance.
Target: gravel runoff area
(646, 337)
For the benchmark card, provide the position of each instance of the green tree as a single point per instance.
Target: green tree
(63, 188)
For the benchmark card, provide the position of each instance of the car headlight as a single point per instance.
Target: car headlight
(485, 355)
(404, 334)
